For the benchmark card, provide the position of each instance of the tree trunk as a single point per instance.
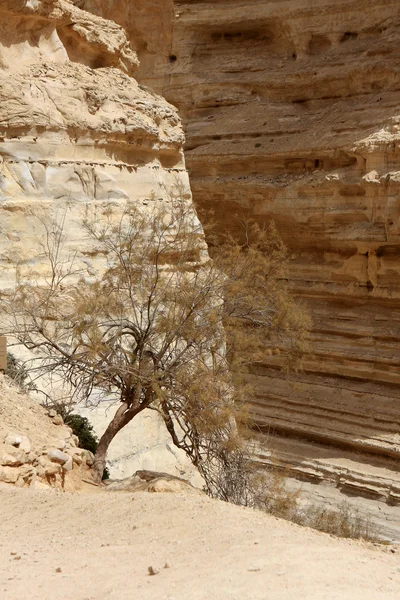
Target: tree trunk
(121, 418)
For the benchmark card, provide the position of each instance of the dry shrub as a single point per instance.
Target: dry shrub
(344, 521)
(160, 326)
(238, 480)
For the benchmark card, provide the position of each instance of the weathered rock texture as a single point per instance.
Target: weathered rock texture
(37, 450)
(77, 133)
(291, 113)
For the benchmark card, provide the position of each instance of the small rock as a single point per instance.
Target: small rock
(52, 469)
(40, 485)
(153, 570)
(75, 451)
(27, 473)
(77, 459)
(13, 439)
(58, 420)
(12, 456)
(58, 570)
(52, 413)
(46, 468)
(166, 566)
(64, 433)
(58, 444)
(8, 474)
(19, 441)
(25, 444)
(68, 466)
(88, 457)
(75, 439)
(32, 457)
(7, 460)
(57, 456)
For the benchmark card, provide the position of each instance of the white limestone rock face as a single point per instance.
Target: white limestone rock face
(78, 133)
(143, 444)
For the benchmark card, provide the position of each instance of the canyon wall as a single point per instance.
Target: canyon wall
(291, 110)
(78, 133)
(291, 113)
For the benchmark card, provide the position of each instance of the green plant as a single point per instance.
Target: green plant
(83, 429)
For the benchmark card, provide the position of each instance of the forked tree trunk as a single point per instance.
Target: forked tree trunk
(121, 418)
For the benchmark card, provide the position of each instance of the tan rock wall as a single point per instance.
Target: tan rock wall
(78, 133)
(291, 113)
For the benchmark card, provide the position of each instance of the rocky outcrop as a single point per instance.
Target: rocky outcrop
(36, 448)
(152, 481)
(291, 113)
(77, 134)
(290, 110)
(74, 131)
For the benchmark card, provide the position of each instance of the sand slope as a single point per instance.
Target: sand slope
(104, 543)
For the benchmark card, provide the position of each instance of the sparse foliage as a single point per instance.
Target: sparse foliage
(344, 521)
(161, 326)
(83, 429)
(18, 372)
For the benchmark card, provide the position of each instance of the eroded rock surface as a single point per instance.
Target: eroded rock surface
(291, 113)
(37, 450)
(77, 134)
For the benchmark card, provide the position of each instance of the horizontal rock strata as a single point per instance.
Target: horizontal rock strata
(291, 113)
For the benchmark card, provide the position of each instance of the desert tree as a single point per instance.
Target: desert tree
(160, 326)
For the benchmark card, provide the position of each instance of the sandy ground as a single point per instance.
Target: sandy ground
(23, 415)
(55, 546)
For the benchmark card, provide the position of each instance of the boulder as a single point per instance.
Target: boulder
(152, 481)
(74, 440)
(88, 457)
(13, 439)
(58, 444)
(46, 468)
(19, 441)
(57, 456)
(9, 474)
(25, 444)
(27, 475)
(52, 469)
(12, 456)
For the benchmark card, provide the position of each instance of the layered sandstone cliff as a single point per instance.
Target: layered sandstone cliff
(78, 132)
(291, 113)
(290, 110)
